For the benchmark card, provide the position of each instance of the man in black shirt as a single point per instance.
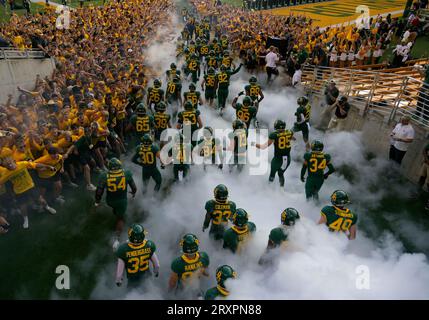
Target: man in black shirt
(342, 108)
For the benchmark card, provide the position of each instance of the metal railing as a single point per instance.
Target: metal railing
(13, 53)
(391, 94)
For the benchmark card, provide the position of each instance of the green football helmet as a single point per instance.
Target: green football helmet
(194, 56)
(136, 233)
(223, 273)
(186, 50)
(279, 124)
(253, 80)
(146, 139)
(221, 193)
(114, 164)
(340, 198)
(240, 217)
(223, 67)
(192, 86)
(188, 106)
(226, 53)
(161, 106)
(302, 101)
(157, 83)
(238, 124)
(173, 66)
(289, 216)
(317, 145)
(211, 70)
(211, 53)
(189, 243)
(277, 236)
(140, 109)
(247, 101)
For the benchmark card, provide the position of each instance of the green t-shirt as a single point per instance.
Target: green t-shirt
(282, 142)
(136, 258)
(235, 238)
(337, 219)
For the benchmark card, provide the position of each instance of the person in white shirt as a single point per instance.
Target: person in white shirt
(401, 137)
(296, 79)
(271, 59)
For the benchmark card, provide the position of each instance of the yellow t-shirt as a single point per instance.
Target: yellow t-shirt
(20, 178)
(47, 159)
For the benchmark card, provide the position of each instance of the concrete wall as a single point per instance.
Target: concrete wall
(22, 72)
(376, 137)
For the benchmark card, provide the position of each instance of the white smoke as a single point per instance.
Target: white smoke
(317, 264)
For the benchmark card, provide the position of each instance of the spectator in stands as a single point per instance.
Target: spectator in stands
(342, 108)
(401, 137)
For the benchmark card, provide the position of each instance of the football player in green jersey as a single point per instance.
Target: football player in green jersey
(223, 78)
(173, 95)
(238, 144)
(339, 218)
(303, 119)
(246, 112)
(209, 85)
(161, 119)
(189, 267)
(281, 138)
(181, 156)
(254, 90)
(193, 67)
(223, 273)
(227, 60)
(154, 94)
(278, 236)
(235, 237)
(134, 256)
(189, 119)
(210, 148)
(172, 72)
(193, 96)
(141, 122)
(219, 211)
(316, 161)
(212, 61)
(145, 156)
(116, 180)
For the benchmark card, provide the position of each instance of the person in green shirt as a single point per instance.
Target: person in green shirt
(245, 111)
(219, 212)
(209, 85)
(316, 161)
(134, 256)
(210, 149)
(145, 156)
(303, 119)
(223, 273)
(189, 121)
(181, 156)
(281, 138)
(189, 267)
(223, 80)
(116, 180)
(161, 120)
(193, 96)
(154, 95)
(235, 237)
(279, 236)
(338, 218)
(238, 145)
(141, 122)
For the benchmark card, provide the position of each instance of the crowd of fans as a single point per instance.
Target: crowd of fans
(66, 124)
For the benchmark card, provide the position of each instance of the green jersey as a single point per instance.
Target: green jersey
(212, 62)
(240, 141)
(303, 113)
(219, 214)
(145, 156)
(204, 50)
(338, 219)
(193, 97)
(190, 118)
(253, 91)
(224, 76)
(161, 120)
(245, 114)
(155, 95)
(282, 142)
(210, 81)
(171, 73)
(208, 150)
(193, 65)
(173, 90)
(142, 124)
(116, 183)
(234, 238)
(227, 61)
(190, 269)
(136, 258)
(182, 153)
(317, 161)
